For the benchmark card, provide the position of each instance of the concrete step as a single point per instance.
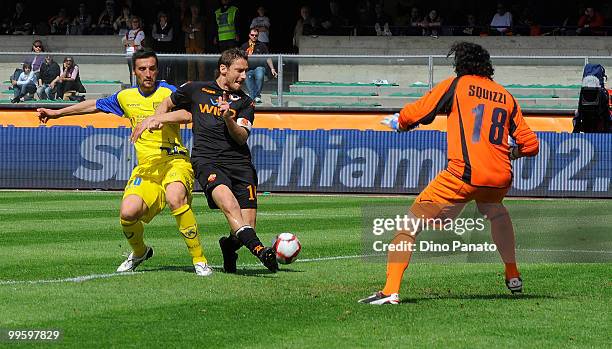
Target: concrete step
(408, 91)
(399, 102)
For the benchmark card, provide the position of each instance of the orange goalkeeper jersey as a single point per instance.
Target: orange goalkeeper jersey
(481, 115)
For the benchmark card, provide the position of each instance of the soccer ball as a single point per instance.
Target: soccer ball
(287, 247)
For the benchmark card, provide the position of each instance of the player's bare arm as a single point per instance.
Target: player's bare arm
(156, 122)
(238, 133)
(165, 106)
(84, 107)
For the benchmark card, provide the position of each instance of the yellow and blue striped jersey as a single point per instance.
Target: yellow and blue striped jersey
(134, 105)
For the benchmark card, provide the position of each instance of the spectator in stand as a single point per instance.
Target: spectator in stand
(255, 74)
(501, 24)
(106, 19)
(590, 23)
(35, 61)
(19, 23)
(570, 21)
(382, 21)
(471, 28)
(334, 23)
(526, 24)
(68, 81)
(179, 12)
(227, 20)
(25, 85)
(306, 25)
(37, 58)
(415, 22)
(81, 25)
(432, 24)
(364, 17)
(58, 24)
(122, 23)
(193, 27)
(262, 24)
(132, 41)
(163, 34)
(49, 71)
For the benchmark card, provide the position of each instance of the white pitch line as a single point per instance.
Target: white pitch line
(72, 279)
(304, 260)
(83, 278)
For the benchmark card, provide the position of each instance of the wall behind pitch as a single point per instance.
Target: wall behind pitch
(346, 161)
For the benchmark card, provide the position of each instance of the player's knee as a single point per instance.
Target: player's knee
(130, 213)
(176, 201)
(229, 207)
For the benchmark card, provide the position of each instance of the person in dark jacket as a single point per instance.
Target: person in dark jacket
(255, 74)
(49, 71)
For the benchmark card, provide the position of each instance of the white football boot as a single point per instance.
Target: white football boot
(515, 285)
(132, 262)
(202, 269)
(380, 298)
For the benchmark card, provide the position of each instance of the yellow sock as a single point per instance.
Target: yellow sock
(188, 227)
(134, 231)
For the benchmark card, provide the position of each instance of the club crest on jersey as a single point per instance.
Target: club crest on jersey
(212, 177)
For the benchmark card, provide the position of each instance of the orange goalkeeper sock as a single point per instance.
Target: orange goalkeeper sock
(397, 263)
(511, 271)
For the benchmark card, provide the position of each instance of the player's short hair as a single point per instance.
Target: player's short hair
(471, 59)
(140, 54)
(230, 56)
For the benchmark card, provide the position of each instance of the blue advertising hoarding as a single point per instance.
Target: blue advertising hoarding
(341, 161)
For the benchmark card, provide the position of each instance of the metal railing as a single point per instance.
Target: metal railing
(294, 68)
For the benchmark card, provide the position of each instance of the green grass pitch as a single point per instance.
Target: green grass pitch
(58, 252)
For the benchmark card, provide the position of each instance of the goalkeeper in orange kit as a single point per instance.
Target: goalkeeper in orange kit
(481, 116)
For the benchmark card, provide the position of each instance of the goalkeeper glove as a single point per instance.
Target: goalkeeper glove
(515, 153)
(392, 122)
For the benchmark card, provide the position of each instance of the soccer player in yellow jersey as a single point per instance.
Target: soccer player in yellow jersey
(164, 173)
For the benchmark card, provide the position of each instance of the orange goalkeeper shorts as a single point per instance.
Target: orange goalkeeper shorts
(446, 196)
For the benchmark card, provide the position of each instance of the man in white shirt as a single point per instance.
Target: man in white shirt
(502, 20)
(132, 41)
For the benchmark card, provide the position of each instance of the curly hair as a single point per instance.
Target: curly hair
(471, 59)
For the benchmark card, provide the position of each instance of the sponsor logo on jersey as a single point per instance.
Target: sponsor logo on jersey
(209, 91)
(233, 97)
(134, 105)
(214, 109)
